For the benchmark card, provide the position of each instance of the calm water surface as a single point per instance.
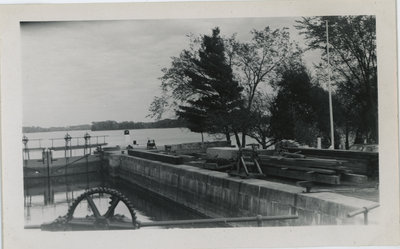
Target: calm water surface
(48, 198)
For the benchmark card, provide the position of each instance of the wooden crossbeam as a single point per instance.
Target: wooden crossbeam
(301, 175)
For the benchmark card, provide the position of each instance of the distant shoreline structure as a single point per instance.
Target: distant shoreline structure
(110, 125)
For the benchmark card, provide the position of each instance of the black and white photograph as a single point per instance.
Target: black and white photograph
(195, 124)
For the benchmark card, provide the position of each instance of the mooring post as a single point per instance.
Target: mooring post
(26, 150)
(47, 153)
(87, 143)
(43, 156)
(365, 216)
(259, 220)
(68, 144)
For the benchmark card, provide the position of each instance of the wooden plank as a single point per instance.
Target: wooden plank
(321, 171)
(325, 161)
(294, 174)
(293, 155)
(302, 162)
(214, 166)
(335, 153)
(244, 166)
(156, 156)
(357, 161)
(354, 178)
(258, 167)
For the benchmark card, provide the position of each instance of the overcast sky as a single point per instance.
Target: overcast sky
(79, 72)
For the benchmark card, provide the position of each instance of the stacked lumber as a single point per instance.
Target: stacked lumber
(320, 170)
(359, 162)
(156, 156)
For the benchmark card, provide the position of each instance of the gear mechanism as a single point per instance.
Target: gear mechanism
(97, 221)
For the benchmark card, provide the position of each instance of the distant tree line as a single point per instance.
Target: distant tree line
(114, 125)
(261, 88)
(31, 129)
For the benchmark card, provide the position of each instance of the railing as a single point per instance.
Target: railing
(85, 141)
(364, 210)
(86, 144)
(259, 219)
(81, 138)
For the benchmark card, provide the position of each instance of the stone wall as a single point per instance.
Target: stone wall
(216, 194)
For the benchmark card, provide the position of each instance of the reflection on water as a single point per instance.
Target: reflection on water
(48, 198)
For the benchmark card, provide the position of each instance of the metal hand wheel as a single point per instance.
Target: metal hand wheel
(107, 220)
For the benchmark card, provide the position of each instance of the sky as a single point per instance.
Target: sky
(79, 72)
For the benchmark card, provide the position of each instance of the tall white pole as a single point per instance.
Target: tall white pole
(330, 90)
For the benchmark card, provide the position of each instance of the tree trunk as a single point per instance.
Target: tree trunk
(358, 139)
(237, 139)
(228, 136)
(202, 141)
(264, 142)
(244, 139)
(347, 137)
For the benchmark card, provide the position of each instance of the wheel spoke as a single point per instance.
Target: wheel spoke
(97, 220)
(113, 205)
(93, 206)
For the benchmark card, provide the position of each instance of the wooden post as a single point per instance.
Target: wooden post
(259, 221)
(365, 216)
(47, 154)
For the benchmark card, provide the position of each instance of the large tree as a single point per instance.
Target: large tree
(203, 88)
(256, 63)
(225, 83)
(300, 109)
(260, 117)
(352, 43)
(292, 107)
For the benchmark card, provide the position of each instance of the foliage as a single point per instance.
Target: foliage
(256, 63)
(200, 88)
(352, 43)
(300, 109)
(204, 84)
(260, 117)
(32, 129)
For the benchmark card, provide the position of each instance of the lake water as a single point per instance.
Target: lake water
(48, 198)
(116, 137)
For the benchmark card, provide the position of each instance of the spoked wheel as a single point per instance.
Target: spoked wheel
(107, 219)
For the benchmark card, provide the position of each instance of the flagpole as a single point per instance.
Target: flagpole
(329, 89)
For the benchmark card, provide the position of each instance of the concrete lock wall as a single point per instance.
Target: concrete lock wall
(216, 194)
